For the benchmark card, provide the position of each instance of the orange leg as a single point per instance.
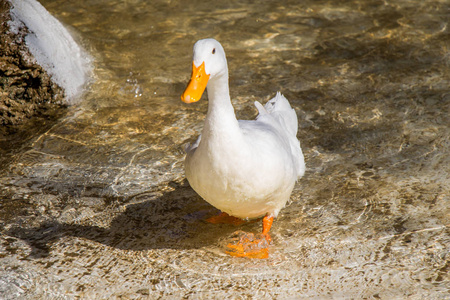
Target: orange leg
(224, 218)
(250, 246)
(267, 224)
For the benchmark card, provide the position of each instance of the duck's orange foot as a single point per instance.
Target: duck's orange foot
(248, 245)
(225, 218)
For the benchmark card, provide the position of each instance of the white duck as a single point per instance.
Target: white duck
(245, 168)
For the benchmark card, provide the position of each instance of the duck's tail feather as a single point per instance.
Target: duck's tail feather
(281, 110)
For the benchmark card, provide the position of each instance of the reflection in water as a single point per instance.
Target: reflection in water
(97, 206)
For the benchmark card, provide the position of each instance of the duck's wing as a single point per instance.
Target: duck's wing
(279, 111)
(191, 147)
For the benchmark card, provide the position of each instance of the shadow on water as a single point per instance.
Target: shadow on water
(175, 220)
(15, 139)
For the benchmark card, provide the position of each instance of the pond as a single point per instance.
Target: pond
(98, 206)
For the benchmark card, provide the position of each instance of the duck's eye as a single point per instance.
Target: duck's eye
(214, 51)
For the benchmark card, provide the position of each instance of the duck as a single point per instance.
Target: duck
(245, 168)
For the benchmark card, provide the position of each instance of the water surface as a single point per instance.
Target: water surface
(98, 207)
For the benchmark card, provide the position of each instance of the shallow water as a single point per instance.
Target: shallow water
(98, 207)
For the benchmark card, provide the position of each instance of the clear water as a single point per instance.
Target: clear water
(97, 207)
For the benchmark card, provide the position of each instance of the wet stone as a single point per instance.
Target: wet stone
(29, 100)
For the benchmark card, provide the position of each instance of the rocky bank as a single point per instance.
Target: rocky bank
(27, 94)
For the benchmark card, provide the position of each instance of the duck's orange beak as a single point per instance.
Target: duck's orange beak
(197, 84)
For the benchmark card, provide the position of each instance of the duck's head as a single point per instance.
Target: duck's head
(209, 62)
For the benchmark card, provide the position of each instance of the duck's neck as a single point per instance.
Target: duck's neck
(220, 120)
